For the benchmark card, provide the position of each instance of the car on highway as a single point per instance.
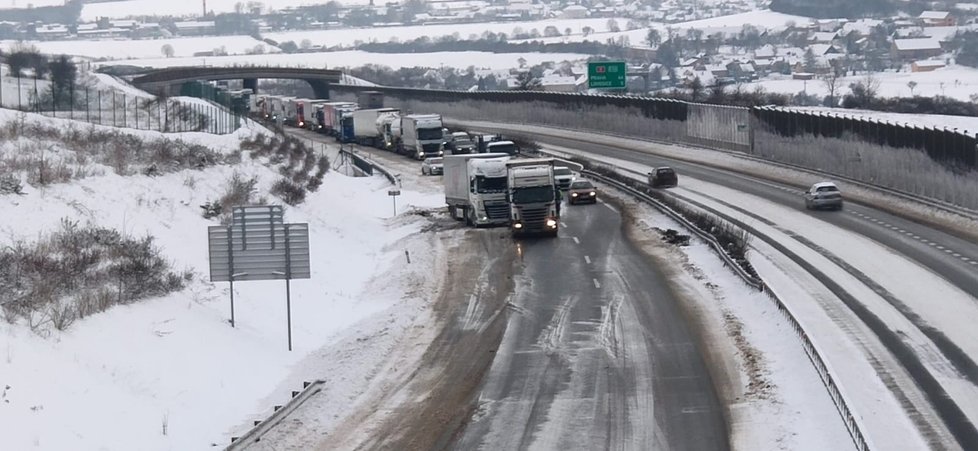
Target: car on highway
(663, 177)
(433, 166)
(563, 176)
(582, 191)
(823, 195)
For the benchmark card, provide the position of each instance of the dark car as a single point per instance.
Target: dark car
(582, 191)
(663, 177)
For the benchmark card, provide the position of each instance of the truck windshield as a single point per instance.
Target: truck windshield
(490, 184)
(504, 148)
(429, 133)
(533, 194)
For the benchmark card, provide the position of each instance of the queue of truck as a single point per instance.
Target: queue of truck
(486, 182)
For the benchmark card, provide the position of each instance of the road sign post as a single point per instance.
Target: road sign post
(606, 75)
(393, 194)
(259, 245)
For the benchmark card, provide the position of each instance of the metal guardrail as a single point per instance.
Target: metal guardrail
(279, 413)
(852, 423)
(710, 239)
(368, 166)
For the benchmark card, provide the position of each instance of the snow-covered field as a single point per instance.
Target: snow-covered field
(354, 58)
(958, 82)
(117, 379)
(124, 48)
(119, 10)
(349, 36)
(761, 18)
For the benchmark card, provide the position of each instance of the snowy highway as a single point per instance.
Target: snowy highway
(902, 293)
(597, 355)
(596, 351)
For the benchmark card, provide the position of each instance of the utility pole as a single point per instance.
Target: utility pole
(205, 8)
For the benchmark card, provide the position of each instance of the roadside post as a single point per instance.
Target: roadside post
(393, 193)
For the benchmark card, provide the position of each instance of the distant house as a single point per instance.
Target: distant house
(914, 49)
(559, 83)
(822, 37)
(195, 27)
(52, 31)
(936, 19)
(823, 49)
(574, 12)
(926, 65)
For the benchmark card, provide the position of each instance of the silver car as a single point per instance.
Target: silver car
(432, 166)
(823, 195)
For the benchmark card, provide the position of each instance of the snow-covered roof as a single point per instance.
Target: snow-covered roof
(935, 15)
(575, 8)
(917, 44)
(767, 51)
(821, 49)
(863, 26)
(930, 63)
(557, 80)
(823, 36)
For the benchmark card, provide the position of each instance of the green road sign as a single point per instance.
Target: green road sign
(606, 74)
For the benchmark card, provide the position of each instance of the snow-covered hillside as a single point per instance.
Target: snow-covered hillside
(169, 373)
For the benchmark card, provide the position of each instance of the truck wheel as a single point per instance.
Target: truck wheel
(469, 217)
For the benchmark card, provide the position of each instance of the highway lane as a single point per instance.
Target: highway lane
(596, 353)
(931, 248)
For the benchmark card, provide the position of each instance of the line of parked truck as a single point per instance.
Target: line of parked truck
(367, 122)
(486, 184)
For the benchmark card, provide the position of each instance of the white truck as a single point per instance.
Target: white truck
(475, 188)
(532, 196)
(420, 136)
(365, 130)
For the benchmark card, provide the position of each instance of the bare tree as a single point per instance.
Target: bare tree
(832, 84)
(613, 25)
(912, 85)
(167, 50)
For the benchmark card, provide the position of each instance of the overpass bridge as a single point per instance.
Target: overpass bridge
(168, 80)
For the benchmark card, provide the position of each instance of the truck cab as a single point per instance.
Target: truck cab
(507, 147)
(476, 188)
(533, 198)
(421, 136)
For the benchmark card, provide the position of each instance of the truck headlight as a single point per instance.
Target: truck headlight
(552, 223)
(420, 154)
(517, 225)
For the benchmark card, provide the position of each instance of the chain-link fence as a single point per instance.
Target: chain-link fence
(116, 108)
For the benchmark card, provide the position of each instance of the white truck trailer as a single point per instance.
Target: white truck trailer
(420, 136)
(532, 196)
(475, 188)
(365, 126)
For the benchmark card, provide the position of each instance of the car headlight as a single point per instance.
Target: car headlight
(593, 193)
(573, 194)
(552, 223)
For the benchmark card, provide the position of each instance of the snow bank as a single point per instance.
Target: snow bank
(170, 373)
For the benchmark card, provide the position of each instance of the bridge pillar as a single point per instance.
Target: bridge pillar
(320, 88)
(250, 83)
